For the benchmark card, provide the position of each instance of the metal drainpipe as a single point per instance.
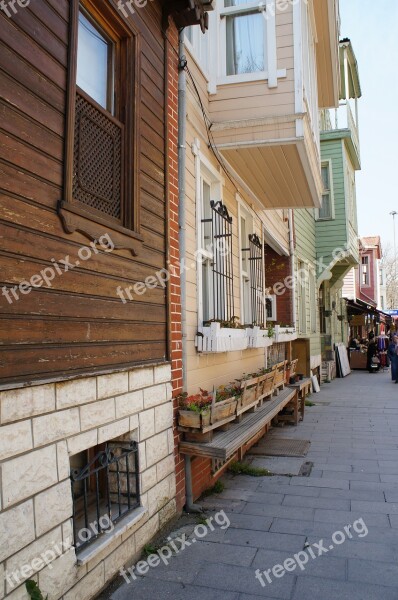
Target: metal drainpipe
(292, 266)
(182, 127)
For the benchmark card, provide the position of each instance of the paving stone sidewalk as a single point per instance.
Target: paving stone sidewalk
(353, 431)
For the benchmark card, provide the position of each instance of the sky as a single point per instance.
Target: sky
(372, 26)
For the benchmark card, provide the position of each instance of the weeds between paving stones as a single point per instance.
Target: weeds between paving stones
(239, 468)
(309, 403)
(150, 549)
(34, 591)
(217, 488)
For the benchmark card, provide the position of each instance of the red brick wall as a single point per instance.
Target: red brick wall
(277, 269)
(174, 254)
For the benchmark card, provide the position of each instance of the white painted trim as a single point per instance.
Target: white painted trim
(271, 120)
(203, 169)
(257, 143)
(248, 77)
(198, 205)
(271, 49)
(197, 33)
(245, 212)
(214, 51)
(298, 64)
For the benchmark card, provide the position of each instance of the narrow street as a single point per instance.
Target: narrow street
(353, 431)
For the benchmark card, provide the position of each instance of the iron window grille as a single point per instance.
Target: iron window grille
(107, 487)
(222, 263)
(258, 308)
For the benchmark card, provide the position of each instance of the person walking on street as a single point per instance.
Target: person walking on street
(393, 356)
(372, 352)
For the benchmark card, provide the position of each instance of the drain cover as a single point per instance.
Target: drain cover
(281, 447)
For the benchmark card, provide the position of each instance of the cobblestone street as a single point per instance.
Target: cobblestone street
(353, 431)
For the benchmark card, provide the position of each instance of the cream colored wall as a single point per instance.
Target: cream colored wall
(208, 370)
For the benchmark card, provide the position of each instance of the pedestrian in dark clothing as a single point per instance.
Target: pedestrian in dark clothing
(372, 352)
(393, 356)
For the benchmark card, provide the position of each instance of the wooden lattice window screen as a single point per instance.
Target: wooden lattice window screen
(97, 158)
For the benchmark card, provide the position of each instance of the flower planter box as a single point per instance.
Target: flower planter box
(258, 338)
(199, 426)
(285, 334)
(221, 339)
(266, 385)
(194, 420)
(249, 398)
(280, 376)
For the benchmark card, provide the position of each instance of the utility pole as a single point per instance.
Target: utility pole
(393, 214)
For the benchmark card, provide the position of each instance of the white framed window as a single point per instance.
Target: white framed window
(313, 304)
(248, 42)
(326, 212)
(251, 257)
(270, 305)
(198, 44)
(245, 228)
(352, 200)
(365, 271)
(207, 253)
(302, 295)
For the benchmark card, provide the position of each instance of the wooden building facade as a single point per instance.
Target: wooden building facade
(88, 218)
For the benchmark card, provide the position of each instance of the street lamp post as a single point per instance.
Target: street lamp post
(393, 214)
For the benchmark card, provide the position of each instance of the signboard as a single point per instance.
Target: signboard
(358, 321)
(392, 313)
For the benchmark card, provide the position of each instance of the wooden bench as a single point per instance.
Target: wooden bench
(225, 443)
(303, 388)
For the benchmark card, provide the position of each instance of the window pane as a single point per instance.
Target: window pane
(325, 177)
(93, 56)
(189, 34)
(228, 3)
(245, 43)
(325, 212)
(207, 217)
(245, 245)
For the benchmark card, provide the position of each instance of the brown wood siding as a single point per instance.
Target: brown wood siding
(77, 324)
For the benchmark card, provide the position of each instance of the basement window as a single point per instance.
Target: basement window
(105, 488)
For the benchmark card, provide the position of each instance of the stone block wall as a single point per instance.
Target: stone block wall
(41, 427)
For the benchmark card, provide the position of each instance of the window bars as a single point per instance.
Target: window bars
(105, 490)
(222, 265)
(256, 280)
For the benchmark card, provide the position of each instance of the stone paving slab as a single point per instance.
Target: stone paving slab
(331, 589)
(240, 579)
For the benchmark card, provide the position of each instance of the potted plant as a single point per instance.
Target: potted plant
(203, 411)
(194, 410)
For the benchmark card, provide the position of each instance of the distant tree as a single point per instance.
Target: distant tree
(389, 264)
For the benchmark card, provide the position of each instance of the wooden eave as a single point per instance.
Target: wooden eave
(188, 12)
